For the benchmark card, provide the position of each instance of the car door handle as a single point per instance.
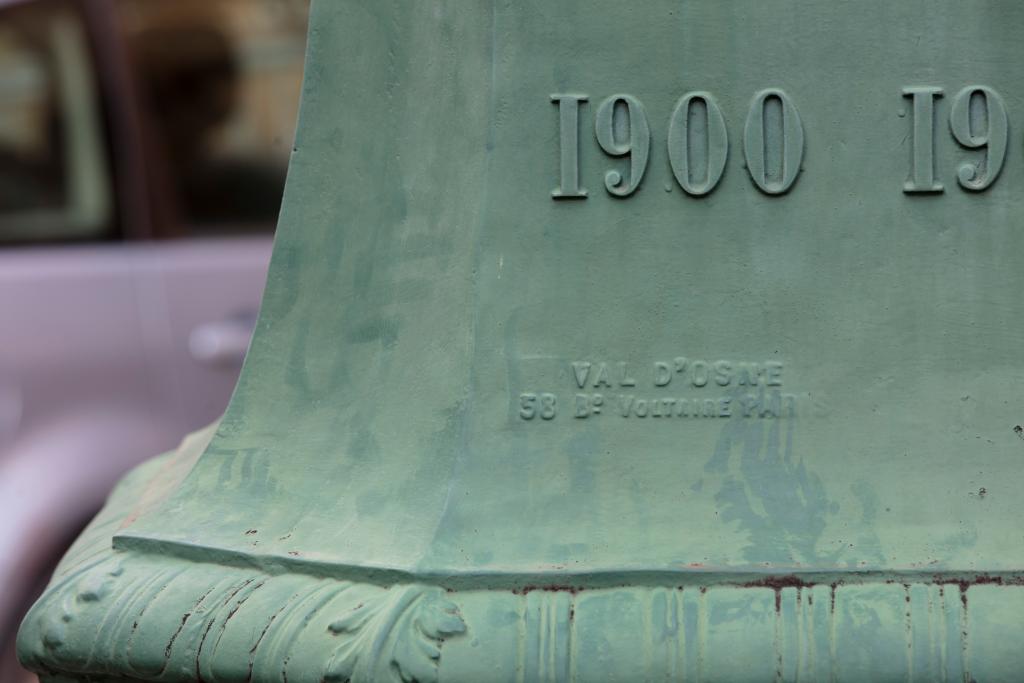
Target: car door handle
(222, 342)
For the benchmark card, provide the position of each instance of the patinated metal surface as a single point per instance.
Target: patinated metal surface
(605, 341)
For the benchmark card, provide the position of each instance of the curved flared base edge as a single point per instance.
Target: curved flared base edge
(120, 614)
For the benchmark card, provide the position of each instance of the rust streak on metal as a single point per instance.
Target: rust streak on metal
(777, 584)
(572, 590)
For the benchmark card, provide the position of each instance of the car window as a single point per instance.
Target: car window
(54, 181)
(221, 82)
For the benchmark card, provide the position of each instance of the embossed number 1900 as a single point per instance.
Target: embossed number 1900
(773, 141)
(698, 142)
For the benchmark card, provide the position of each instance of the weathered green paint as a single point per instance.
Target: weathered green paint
(464, 234)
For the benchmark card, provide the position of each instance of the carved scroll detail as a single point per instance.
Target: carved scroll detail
(397, 637)
(172, 620)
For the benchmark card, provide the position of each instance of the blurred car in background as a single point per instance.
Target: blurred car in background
(143, 149)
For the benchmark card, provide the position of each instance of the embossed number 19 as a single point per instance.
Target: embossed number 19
(698, 143)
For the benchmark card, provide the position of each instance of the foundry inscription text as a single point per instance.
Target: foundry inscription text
(679, 387)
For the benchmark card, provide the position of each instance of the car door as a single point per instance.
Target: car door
(77, 402)
(218, 83)
(119, 331)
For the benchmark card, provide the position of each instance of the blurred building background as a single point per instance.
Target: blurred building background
(213, 84)
(143, 152)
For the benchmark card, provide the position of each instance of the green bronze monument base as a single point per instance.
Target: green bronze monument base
(117, 614)
(607, 341)
(183, 614)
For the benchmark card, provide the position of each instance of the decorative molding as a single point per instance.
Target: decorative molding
(399, 632)
(147, 617)
(127, 615)
(153, 619)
